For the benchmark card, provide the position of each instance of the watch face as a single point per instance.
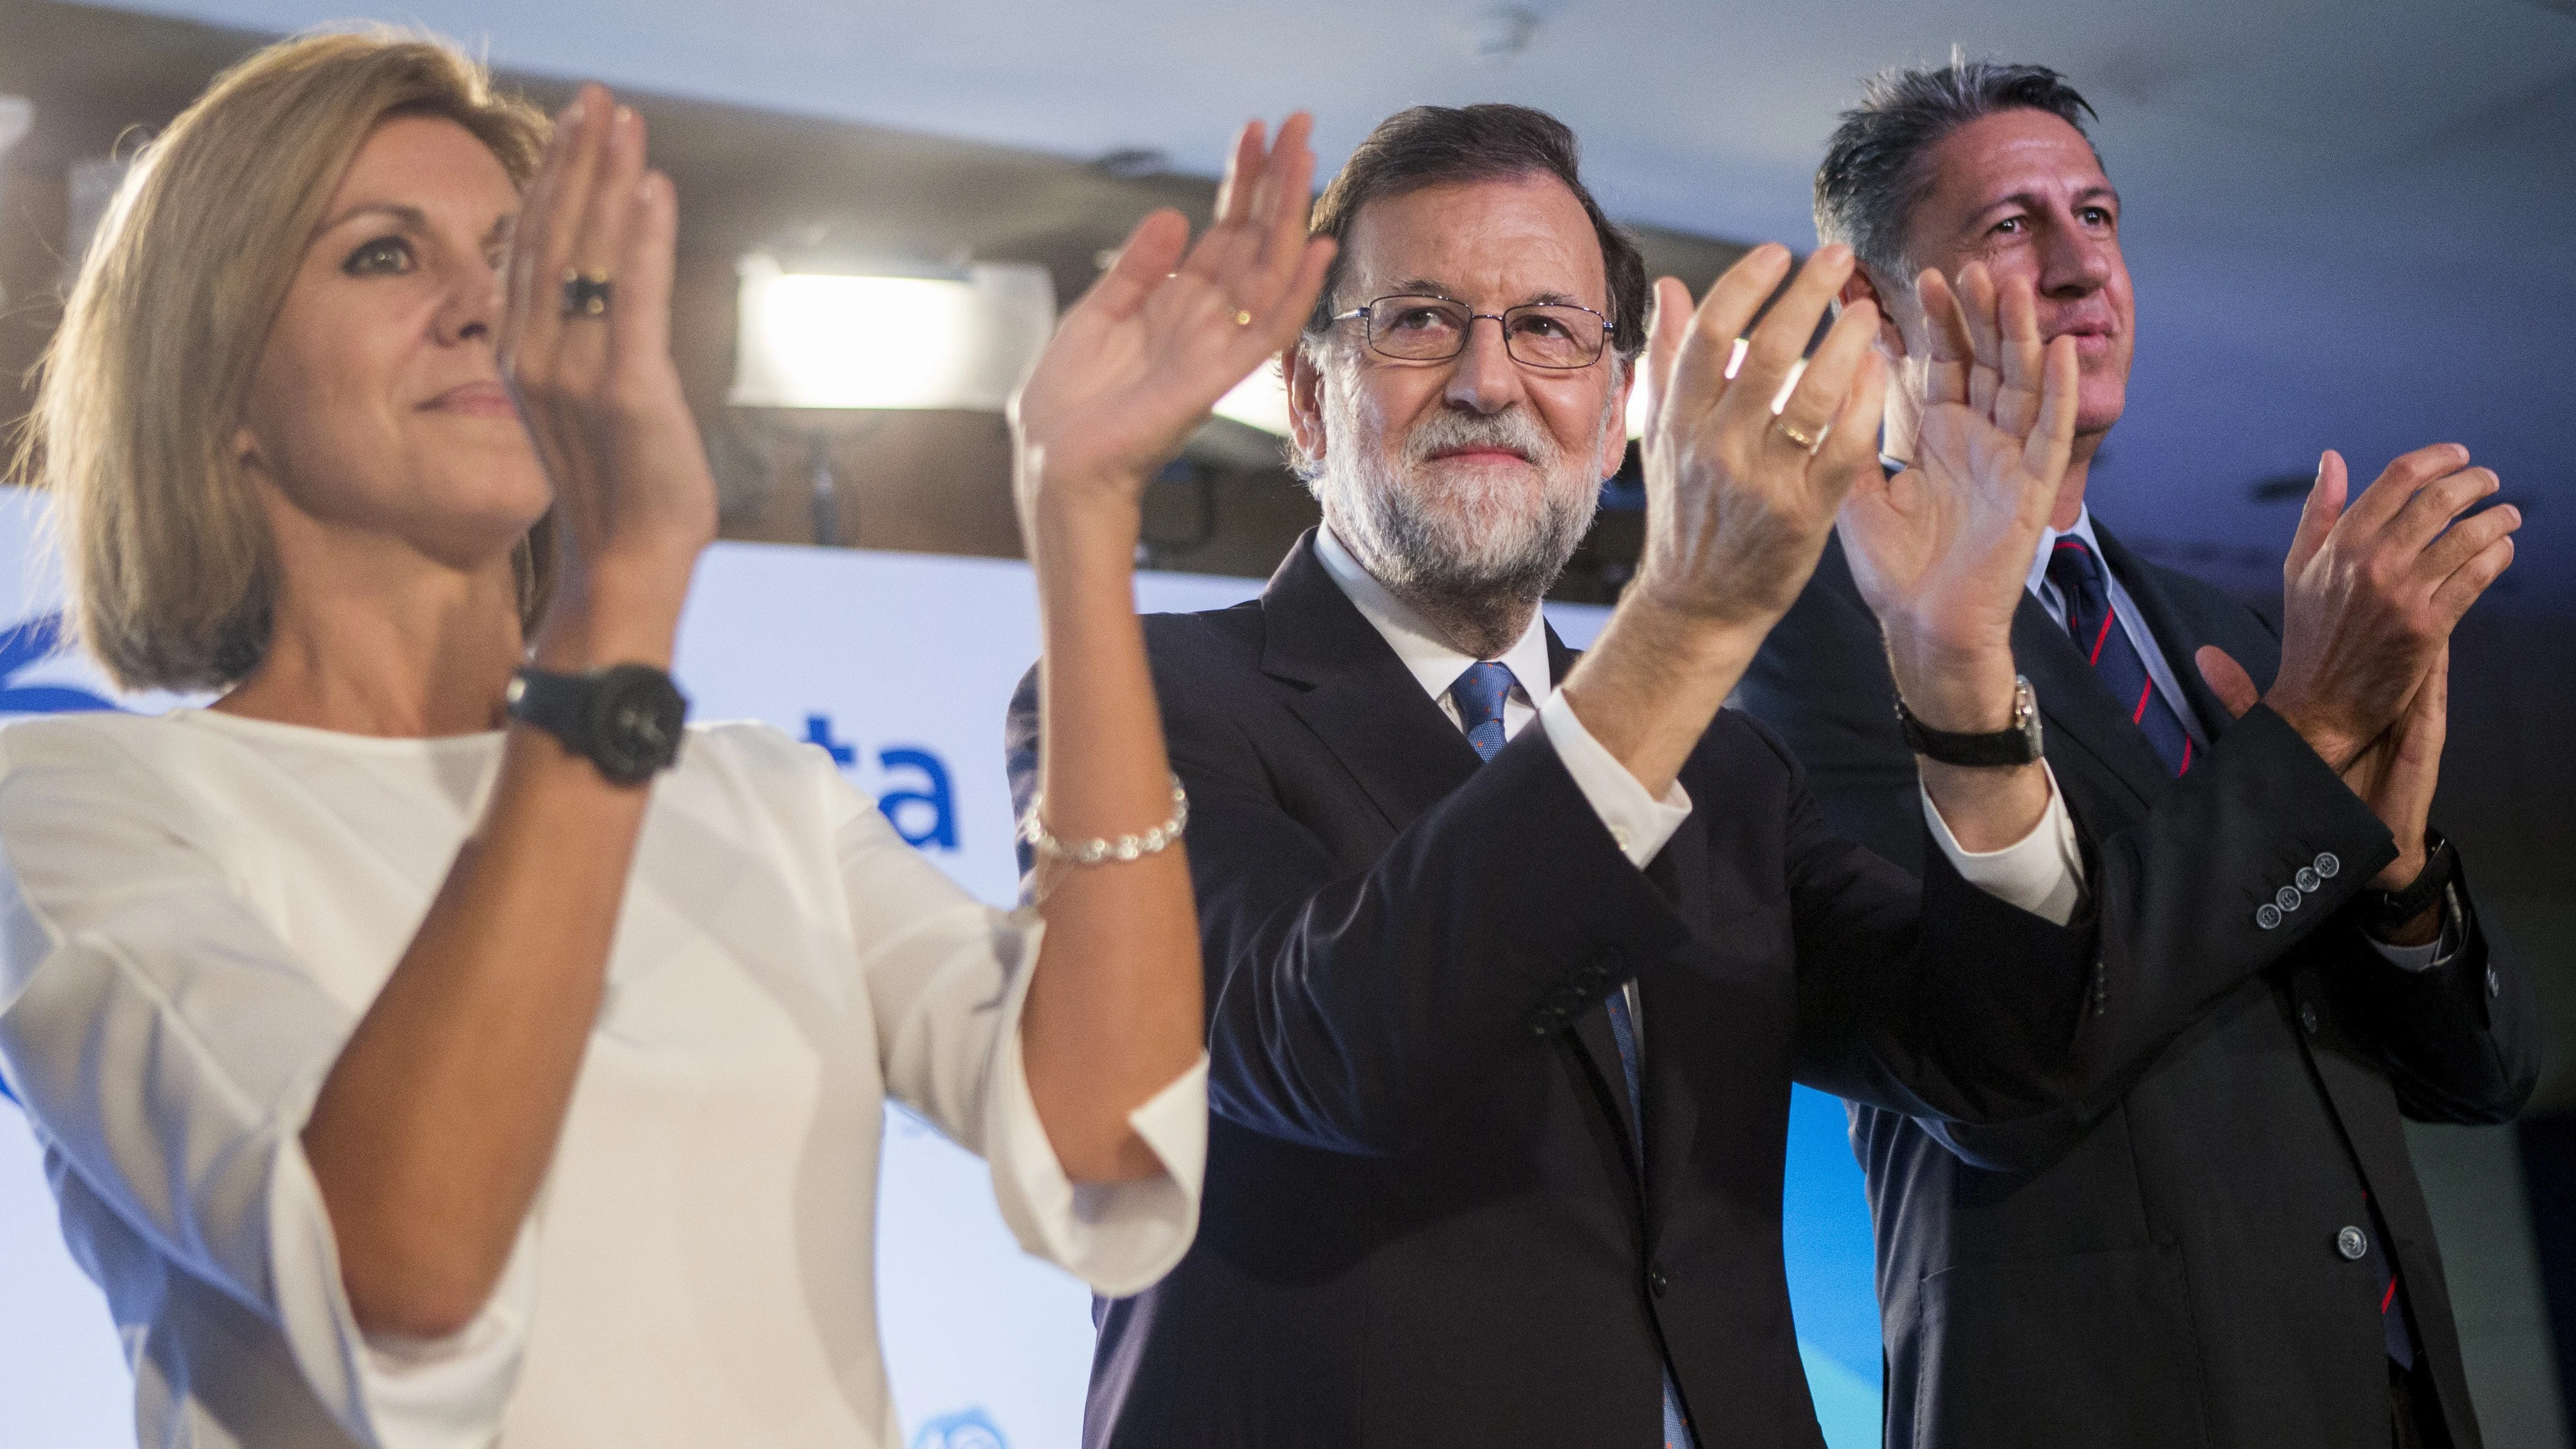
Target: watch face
(636, 723)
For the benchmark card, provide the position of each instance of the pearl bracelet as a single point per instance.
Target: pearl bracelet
(1099, 851)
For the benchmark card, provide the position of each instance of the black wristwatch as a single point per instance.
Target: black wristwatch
(626, 719)
(2017, 744)
(2384, 913)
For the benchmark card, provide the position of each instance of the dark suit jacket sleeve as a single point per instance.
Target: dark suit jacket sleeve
(1350, 1011)
(2176, 887)
(2460, 1041)
(1937, 999)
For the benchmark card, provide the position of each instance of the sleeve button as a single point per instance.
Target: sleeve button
(2327, 865)
(2287, 898)
(2308, 880)
(2267, 916)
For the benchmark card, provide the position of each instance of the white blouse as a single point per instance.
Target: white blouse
(195, 910)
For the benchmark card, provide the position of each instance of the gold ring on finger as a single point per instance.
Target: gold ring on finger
(1790, 430)
(1242, 319)
(585, 294)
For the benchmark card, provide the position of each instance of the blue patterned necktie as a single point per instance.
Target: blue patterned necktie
(2095, 625)
(1479, 695)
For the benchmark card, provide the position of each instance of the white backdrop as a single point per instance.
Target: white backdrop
(902, 664)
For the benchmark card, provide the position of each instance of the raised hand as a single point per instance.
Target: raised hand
(2372, 591)
(1140, 360)
(1941, 550)
(1740, 494)
(634, 500)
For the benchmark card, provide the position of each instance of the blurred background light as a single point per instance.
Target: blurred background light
(962, 337)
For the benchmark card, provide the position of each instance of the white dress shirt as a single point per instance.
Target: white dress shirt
(2042, 873)
(196, 909)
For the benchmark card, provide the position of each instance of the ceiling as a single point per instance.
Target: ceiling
(2352, 224)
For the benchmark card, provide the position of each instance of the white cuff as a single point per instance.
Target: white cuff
(1639, 823)
(2042, 873)
(2436, 952)
(1119, 1237)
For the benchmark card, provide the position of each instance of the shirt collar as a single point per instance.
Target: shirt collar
(2048, 538)
(1433, 662)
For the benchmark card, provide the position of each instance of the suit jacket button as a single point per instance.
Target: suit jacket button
(2495, 983)
(2327, 865)
(1656, 1281)
(2352, 1243)
(2287, 898)
(2308, 1016)
(2267, 915)
(2308, 880)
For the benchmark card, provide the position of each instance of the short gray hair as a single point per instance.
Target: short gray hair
(1878, 164)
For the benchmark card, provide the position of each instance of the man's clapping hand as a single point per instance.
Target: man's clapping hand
(2370, 595)
(1941, 550)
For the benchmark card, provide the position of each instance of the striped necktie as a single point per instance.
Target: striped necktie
(1479, 694)
(2096, 627)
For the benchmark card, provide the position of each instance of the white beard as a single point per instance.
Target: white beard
(1493, 547)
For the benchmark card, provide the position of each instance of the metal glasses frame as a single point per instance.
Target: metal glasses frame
(1502, 319)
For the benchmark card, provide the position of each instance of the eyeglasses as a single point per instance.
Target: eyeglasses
(1556, 335)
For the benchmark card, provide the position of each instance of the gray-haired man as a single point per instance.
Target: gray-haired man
(2226, 1245)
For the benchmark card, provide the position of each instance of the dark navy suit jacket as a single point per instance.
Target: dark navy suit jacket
(1424, 1222)
(2158, 1265)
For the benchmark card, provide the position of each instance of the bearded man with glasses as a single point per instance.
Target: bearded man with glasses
(1507, 982)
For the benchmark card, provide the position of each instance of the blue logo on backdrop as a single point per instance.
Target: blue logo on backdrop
(970, 1429)
(24, 643)
(925, 815)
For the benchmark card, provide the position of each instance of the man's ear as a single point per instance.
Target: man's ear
(1859, 288)
(1614, 438)
(1305, 402)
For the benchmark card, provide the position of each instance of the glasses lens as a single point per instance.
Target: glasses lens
(1553, 336)
(1418, 329)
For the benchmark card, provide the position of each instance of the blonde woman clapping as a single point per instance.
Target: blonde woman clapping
(433, 1041)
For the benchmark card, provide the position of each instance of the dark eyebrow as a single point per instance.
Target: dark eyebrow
(2029, 201)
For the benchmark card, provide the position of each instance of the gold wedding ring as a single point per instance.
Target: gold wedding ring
(1242, 319)
(1790, 431)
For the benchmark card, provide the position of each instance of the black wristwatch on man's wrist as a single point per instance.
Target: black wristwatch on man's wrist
(2382, 914)
(2015, 744)
(627, 719)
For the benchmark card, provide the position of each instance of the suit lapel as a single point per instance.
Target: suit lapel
(2179, 632)
(2078, 712)
(1361, 702)
(1372, 716)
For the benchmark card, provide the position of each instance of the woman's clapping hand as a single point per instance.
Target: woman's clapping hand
(634, 499)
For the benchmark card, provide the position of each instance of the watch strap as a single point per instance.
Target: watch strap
(2384, 913)
(2016, 744)
(559, 704)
